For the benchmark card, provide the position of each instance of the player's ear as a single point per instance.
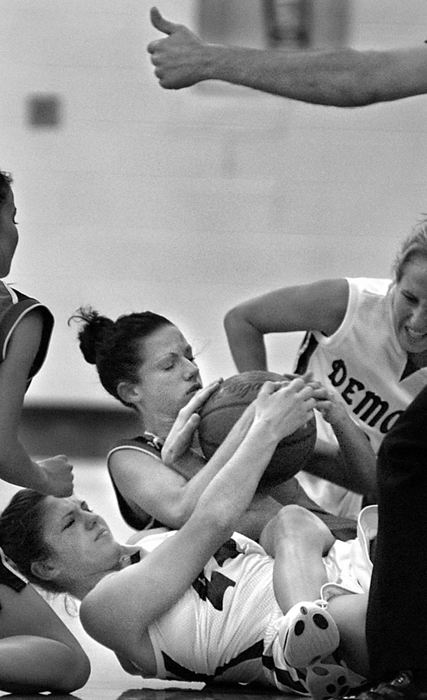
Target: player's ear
(129, 392)
(43, 569)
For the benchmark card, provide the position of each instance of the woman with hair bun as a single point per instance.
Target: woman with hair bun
(146, 363)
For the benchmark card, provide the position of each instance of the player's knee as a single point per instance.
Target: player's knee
(294, 524)
(294, 520)
(283, 527)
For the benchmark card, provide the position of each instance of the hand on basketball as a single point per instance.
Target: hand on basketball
(329, 404)
(284, 408)
(58, 475)
(177, 57)
(186, 423)
(308, 378)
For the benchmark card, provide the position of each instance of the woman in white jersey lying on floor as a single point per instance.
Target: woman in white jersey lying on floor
(366, 340)
(207, 604)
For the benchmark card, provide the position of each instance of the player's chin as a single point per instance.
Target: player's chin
(412, 344)
(184, 401)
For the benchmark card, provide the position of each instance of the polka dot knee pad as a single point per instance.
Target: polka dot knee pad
(329, 680)
(311, 633)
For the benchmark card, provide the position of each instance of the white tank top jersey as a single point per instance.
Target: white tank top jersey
(364, 363)
(216, 631)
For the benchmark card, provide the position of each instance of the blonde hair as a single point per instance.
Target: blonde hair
(415, 245)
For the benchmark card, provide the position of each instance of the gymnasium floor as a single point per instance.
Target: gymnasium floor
(108, 681)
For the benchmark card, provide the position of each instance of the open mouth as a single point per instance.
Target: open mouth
(415, 335)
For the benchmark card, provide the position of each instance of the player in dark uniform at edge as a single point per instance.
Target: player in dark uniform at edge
(37, 651)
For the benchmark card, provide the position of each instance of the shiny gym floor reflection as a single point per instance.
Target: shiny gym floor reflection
(102, 692)
(108, 681)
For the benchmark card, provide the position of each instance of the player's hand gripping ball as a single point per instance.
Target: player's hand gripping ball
(226, 405)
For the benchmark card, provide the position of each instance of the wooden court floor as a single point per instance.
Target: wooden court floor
(101, 692)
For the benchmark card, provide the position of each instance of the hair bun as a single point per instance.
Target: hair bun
(93, 334)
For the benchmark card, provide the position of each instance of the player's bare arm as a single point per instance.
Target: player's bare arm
(55, 474)
(318, 306)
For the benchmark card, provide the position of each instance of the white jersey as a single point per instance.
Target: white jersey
(221, 629)
(364, 363)
(216, 630)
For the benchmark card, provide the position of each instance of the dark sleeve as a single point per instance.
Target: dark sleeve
(14, 306)
(130, 516)
(9, 577)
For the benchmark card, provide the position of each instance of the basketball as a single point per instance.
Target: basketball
(226, 405)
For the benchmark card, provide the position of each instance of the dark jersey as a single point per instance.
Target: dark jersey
(133, 515)
(14, 306)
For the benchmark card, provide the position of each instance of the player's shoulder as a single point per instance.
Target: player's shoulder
(144, 441)
(26, 321)
(141, 444)
(370, 286)
(15, 306)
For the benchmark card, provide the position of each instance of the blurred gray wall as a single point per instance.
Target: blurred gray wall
(189, 202)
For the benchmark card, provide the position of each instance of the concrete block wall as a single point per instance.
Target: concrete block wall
(188, 202)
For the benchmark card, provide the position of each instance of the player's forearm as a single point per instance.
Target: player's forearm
(351, 464)
(358, 457)
(230, 493)
(246, 343)
(16, 467)
(194, 488)
(343, 78)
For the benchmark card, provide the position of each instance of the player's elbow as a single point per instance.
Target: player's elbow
(238, 322)
(79, 672)
(215, 513)
(73, 670)
(232, 318)
(178, 517)
(178, 512)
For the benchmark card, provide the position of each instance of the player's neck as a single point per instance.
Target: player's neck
(159, 426)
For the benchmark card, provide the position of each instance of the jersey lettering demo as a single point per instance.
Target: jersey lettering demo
(364, 363)
(226, 627)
